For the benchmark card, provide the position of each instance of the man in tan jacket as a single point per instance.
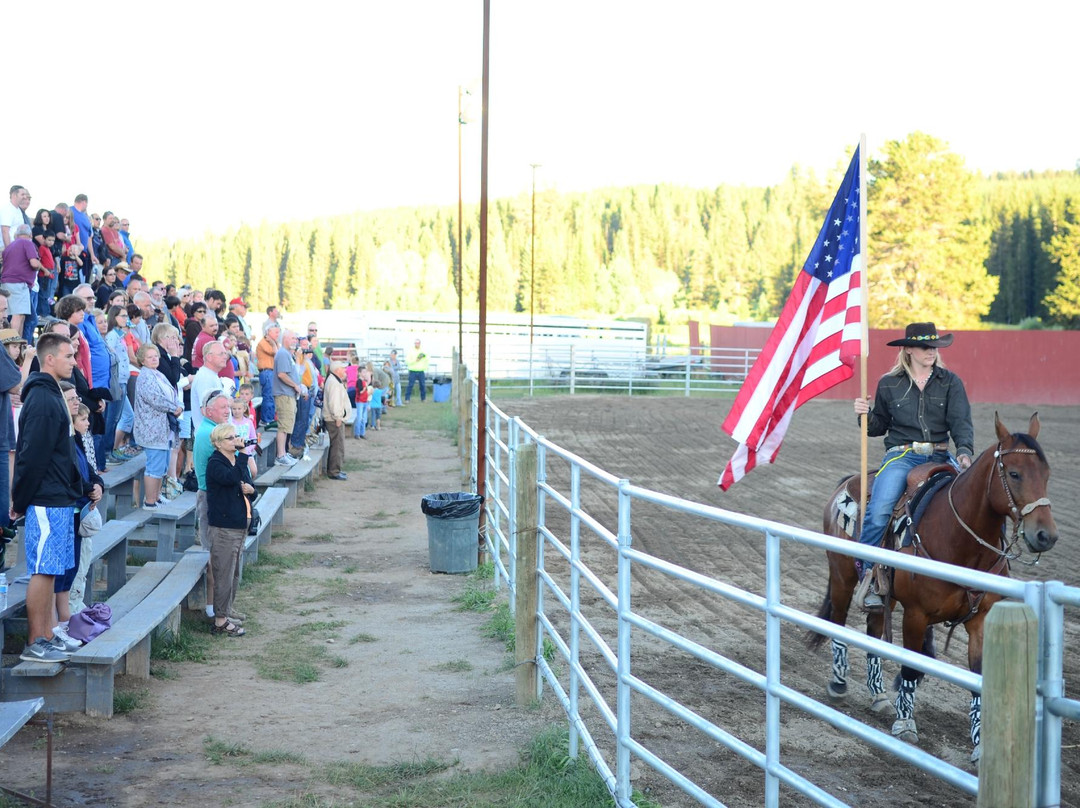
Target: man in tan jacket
(336, 411)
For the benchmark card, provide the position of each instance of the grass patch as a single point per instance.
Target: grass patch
(366, 526)
(501, 626)
(217, 752)
(454, 666)
(190, 644)
(281, 533)
(474, 598)
(430, 417)
(484, 572)
(300, 653)
(363, 638)
(163, 672)
(349, 570)
(308, 503)
(359, 465)
(545, 776)
(128, 701)
(320, 538)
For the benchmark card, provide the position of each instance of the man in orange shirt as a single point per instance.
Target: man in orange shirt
(265, 350)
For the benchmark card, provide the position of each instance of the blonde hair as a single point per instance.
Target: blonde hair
(221, 434)
(144, 349)
(902, 366)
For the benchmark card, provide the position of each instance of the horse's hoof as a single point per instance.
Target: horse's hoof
(837, 690)
(880, 703)
(976, 753)
(904, 729)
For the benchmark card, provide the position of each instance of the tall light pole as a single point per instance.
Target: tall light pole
(532, 275)
(461, 245)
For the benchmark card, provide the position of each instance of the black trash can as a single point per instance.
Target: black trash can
(453, 521)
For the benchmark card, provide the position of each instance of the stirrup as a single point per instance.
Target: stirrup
(864, 590)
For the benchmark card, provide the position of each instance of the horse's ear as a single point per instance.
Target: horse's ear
(999, 427)
(1033, 425)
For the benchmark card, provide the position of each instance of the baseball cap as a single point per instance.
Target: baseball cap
(238, 301)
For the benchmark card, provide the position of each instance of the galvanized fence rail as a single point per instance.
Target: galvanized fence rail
(561, 605)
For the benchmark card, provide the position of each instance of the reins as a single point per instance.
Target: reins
(1018, 514)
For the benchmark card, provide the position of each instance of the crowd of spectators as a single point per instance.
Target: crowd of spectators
(150, 368)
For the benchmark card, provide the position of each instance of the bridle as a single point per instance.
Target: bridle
(1017, 514)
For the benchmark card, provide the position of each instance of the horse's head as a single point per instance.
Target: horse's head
(1023, 472)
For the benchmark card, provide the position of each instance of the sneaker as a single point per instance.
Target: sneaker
(131, 450)
(268, 425)
(149, 505)
(116, 457)
(61, 637)
(286, 460)
(41, 650)
(210, 610)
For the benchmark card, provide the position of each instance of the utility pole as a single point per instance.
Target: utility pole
(532, 274)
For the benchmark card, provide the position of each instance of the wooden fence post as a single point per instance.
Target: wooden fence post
(526, 673)
(1007, 767)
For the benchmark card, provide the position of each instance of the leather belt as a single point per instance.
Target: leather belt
(923, 448)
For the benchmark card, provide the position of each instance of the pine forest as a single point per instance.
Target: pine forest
(946, 245)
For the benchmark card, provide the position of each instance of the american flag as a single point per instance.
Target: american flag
(815, 342)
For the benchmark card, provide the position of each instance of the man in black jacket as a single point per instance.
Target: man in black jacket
(45, 486)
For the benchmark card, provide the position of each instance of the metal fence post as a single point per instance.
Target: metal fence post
(526, 671)
(575, 605)
(772, 667)
(689, 362)
(572, 369)
(1051, 677)
(622, 693)
(541, 502)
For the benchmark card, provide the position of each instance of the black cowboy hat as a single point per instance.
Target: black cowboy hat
(923, 335)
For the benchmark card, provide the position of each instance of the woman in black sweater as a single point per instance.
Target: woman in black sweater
(228, 485)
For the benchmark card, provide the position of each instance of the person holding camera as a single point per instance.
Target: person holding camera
(228, 486)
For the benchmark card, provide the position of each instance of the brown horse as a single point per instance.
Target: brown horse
(965, 525)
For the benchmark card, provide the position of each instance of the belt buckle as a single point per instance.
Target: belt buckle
(922, 448)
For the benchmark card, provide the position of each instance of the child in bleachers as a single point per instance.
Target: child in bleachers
(246, 393)
(240, 417)
(70, 269)
(378, 396)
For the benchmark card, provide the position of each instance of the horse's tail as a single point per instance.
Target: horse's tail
(813, 638)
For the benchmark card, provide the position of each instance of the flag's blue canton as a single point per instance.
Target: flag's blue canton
(838, 241)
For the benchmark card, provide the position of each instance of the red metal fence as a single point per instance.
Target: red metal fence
(1009, 367)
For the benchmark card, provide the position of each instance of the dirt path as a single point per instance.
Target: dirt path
(674, 445)
(417, 679)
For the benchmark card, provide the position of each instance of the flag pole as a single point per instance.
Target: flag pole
(865, 250)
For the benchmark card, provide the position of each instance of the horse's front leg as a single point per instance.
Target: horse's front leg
(975, 645)
(914, 633)
(878, 700)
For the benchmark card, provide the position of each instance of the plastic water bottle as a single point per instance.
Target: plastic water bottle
(3, 591)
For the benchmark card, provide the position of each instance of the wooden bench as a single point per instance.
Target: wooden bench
(15, 714)
(265, 461)
(153, 597)
(126, 644)
(170, 526)
(110, 545)
(121, 482)
(303, 472)
(271, 509)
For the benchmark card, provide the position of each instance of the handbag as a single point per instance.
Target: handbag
(256, 523)
(190, 481)
(90, 521)
(90, 622)
(173, 421)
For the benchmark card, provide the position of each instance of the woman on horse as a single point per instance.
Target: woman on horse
(918, 406)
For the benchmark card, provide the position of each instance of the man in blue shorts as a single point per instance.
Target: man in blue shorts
(44, 487)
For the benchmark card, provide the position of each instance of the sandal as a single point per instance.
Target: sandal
(229, 629)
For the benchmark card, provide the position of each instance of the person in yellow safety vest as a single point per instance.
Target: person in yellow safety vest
(417, 362)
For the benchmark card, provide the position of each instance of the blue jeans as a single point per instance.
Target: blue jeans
(5, 491)
(416, 376)
(889, 485)
(397, 389)
(360, 424)
(30, 323)
(113, 411)
(267, 413)
(45, 295)
(303, 419)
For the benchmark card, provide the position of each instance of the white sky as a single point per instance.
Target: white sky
(206, 114)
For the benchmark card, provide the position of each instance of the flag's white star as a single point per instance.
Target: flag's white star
(826, 242)
(828, 274)
(828, 258)
(836, 222)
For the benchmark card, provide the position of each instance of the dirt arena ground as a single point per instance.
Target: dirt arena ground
(674, 445)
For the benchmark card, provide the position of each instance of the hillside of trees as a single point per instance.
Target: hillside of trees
(945, 244)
